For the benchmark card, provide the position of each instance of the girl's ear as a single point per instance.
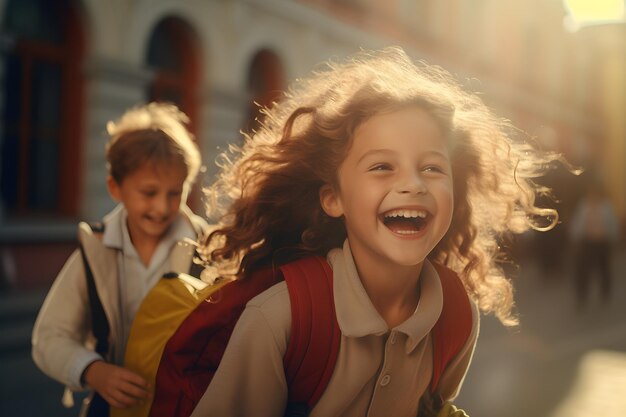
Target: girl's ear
(330, 202)
(114, 189)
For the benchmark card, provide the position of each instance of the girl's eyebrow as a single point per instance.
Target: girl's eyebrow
(391, 152)
(437, 154)
(374, 152)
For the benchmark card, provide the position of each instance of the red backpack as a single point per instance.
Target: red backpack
(193, 353)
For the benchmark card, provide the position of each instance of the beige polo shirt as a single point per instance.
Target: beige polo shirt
(379, 371)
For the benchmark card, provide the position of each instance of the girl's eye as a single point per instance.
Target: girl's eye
(380, 167)
(149, 193)
(434, 168)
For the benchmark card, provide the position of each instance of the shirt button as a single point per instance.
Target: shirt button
(385, 380)
(393, 338)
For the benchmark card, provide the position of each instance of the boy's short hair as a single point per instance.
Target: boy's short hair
(154, 132)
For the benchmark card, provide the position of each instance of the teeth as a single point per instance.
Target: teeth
(408, 214)
(407, 232)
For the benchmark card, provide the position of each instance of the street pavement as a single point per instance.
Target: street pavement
(553, 364)
(560, 361)
(24, 389)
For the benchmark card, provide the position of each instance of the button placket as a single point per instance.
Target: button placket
(386, 378)
(382, 396)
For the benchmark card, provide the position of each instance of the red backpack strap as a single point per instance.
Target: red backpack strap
(454, 326)
(315, 336)
(193, 353)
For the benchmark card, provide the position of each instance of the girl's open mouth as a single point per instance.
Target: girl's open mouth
(405, 221)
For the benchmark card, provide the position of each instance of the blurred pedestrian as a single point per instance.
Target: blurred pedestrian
(594, 231)
(152, 161)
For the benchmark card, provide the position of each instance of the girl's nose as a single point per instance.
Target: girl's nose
(411, 184)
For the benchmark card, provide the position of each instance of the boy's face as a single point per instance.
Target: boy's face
(152, 195)
(395, 189)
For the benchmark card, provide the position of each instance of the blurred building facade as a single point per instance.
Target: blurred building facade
(69, 66)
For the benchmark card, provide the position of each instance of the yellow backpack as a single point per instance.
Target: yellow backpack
(168, 303)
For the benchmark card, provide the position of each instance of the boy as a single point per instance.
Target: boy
(151, 161)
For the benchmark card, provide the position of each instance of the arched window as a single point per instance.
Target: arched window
(42, 43)
(266, 84)
(174, 55)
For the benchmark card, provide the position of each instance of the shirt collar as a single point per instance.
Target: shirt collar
(357, 316)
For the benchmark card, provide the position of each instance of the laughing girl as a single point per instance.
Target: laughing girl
(387, 168)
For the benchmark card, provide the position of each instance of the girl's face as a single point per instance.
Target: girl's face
(395, 189)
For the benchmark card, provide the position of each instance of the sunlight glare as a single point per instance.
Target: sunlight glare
(588, 12)
(598, 390)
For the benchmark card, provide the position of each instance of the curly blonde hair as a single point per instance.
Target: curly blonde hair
(267, 194)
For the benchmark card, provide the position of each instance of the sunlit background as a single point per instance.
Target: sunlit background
(556, 69)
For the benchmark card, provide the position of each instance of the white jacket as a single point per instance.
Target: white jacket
(62, 339)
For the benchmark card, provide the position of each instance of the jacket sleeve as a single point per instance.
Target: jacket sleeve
(452, 378)
(250, 380)
(63, 326)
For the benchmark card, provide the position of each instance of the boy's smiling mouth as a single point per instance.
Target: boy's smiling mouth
(407, 221)
(157, 219)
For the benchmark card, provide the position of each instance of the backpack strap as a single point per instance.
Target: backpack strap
(99, 322)
(193, 353)
(195, 268)
(454, 325)
(315, 335)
